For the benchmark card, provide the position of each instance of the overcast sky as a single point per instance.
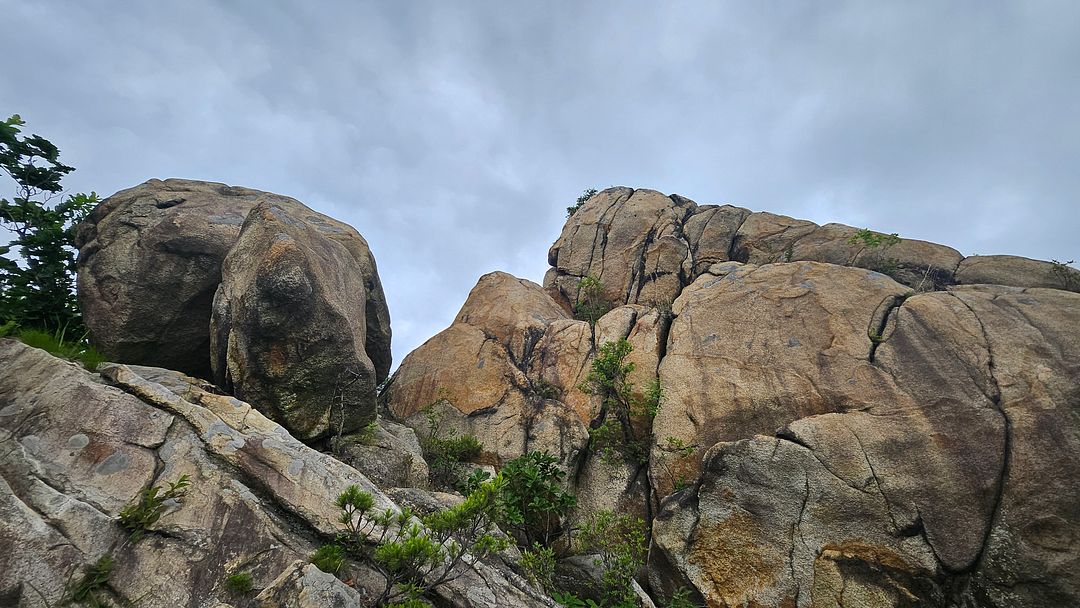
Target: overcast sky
(454, 134)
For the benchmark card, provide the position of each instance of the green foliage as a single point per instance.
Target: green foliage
(531, 499)
(88, 590)
(444, 453)
(139, 516)
(875, 337)
(1066, 278)
(414, 559)
(329, 558)
(874, 240)
(544, 389)
(569, 600)
(613, 433)
(680, 599)
(581, 200)
(619, 540)
(368, 434)
(591, 304)
(56, 343)
(239, 583)
(39, 292)
(538, 562)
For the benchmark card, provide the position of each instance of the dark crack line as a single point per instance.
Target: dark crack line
(797, 526)
(1006, 457)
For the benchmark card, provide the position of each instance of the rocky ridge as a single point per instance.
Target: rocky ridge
(848, 419)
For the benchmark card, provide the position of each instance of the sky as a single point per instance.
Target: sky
(453, 135)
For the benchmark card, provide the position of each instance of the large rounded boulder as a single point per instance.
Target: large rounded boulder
(150, 263)
(288, 326)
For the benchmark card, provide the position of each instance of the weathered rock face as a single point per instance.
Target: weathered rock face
(74, 451)
(943, 492)
(1017, 271)
(844, 423)
(645, 248)
(150, 262)
(484, 374)
(288, 327)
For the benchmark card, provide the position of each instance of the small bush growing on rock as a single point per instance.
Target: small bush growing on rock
(531, 500)
(874, 240)
(1065, 277)
(581, 200)
(329, 558)
(414, 559)
(613, 431)
(444, 453)
(239, 583)
(539, 565)
(88, 590)
(619, 540)
(591, 304)
(139, 516)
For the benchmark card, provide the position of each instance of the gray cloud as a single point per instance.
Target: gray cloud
(453, 135)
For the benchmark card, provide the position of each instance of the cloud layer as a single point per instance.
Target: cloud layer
(453, 135)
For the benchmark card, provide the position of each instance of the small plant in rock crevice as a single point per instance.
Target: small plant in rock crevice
(141, 515)
(619, 541)
(443, 454)
(872, 246)
(613, 433)
(591, 303)
(89, 590)
(239, 583)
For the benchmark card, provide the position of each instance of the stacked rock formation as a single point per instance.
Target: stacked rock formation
(848, 419)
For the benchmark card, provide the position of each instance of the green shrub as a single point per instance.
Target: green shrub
(414, 559)
(329, 558)
(531, 499)
(88, 590)
(139, 516)
(239, 583)
(444, 453)
(581, 200)
(591, 303)
(539, 565)
(619, 540)
(1065, 277)
(570, 600)
(874, 240)
(613, 434)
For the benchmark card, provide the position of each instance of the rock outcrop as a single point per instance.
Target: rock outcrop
(848, 418)
(75, 448)
(288, 327)
(150, 262)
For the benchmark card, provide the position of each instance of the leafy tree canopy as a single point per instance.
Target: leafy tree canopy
(39, 291)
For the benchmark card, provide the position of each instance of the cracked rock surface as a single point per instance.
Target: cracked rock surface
(76, 447)
(861, 426)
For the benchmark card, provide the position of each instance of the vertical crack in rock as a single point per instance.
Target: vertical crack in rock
(796, 526)
(734, 246)
(1006, 454)
(880, 320)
